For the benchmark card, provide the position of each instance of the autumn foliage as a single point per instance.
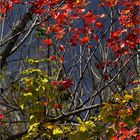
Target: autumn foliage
(81, 81)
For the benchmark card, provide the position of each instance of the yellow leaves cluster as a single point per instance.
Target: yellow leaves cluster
(127, 97)
(32, 132)
(123, 99)
(33, 127)
(85, 125)
(118, 106)
(57, 131)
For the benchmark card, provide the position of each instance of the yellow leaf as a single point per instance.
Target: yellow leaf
(57, 131)
(31, 117)
(125, 91)
(43, 87)
(22, 106)
(89, 124)
(128, 97)
(79, 119)
(49, 126)
(82, 128)
(33, 127)
(100, 117)
(45, 80)
(28, 94)
(135, 81)
(78, 1)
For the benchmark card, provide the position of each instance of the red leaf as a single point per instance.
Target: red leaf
(39, 11)
(52, 57)
(99, 25)
(3, 10)
(96, 38)
(131, 40)
(106, 76)
(16, 1)
(2, 116)
(114, 138)
(61, 59)
(9, 5)
(101, 16)
(67, 83)
(85, 39)
(49, 42)
(45, 103)
(55, 83)
(125, 131)
(138, 137)
(61, 48)
(111, 3)
(90, 47)
(57, 106)
(118, 33)
(122, 124)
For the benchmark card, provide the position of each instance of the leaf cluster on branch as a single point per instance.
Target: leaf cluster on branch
(70, 69)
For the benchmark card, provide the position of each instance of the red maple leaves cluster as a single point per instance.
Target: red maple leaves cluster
(125, 133)
(124, 40)
(7, 5)
(65, 84)
(111, 3)
(60, 27)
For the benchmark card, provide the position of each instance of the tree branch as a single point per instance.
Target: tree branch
(15, 33)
